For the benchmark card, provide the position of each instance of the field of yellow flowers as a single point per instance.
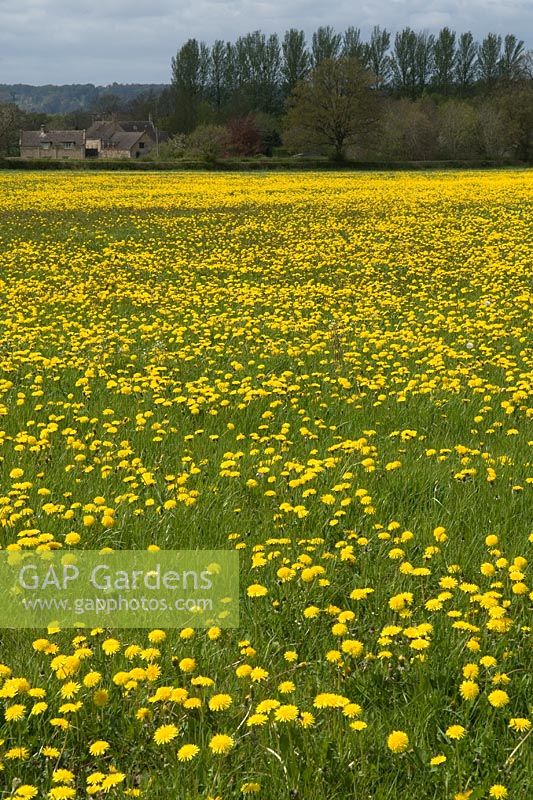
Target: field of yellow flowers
(329, 373)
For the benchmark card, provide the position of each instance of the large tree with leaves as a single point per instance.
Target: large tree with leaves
(378, 58)
(326, 44)
(334, 107)
(465, 62)
(488, 59)
(512, 61)
(444, 60)
(190, 71)
(296, 59)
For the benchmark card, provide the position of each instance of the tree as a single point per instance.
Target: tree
(465, 64)
(458, 130)
(488, 59)
(170, 150)
(326, 45)
(295, 59)
(496, 130)
(190, 70)
(512, 58)
(258, 64)
(334, 107)
(353, 46)
(217, 83)
(9, 120)
(404, 62)
(412, 61)
(108, 104)
(516, 103)
(244, 136)
(424, 55)
(209, 142)
(445, 59)
(409, 130)
(378, 60)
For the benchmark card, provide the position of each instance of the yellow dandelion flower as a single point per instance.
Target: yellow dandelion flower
(498, 791)
(520, 724)
(469, 690)
(256, 590)
(455, 732)
(286, 713)
(187, 752)
(99, 747)
(220, 702)
(165, 734)
(221, 743)
(498, 698)
(398, 741)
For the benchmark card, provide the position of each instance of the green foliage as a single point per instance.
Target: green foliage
(333, 109)
(209, 142)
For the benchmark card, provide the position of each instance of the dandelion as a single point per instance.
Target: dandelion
(258, 674)
(256, 720)
(221, 743)
(99, 747)
(63, 776)
(498, 698)
(165, 734)
(469, 690)
(25, 792)
(520, 724)
(330, 700)
(187, 664)
(498, 791)
(111, 646)
(15, 712)
(256, 590)
(62, 793)
(286, 713)
(398, 741)
(187, 752)
(250, 787)
(455, 732)
(220, 702)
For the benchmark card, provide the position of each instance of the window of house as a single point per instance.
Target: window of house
(68, 145)
(141, 145)
(46, 145)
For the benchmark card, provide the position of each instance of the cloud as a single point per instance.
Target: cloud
(132, 41)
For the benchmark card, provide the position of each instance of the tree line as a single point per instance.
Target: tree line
(258, 72)
(407, 96)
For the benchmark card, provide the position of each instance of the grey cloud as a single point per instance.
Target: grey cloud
(57, 41)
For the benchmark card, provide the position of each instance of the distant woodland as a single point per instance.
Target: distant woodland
(409, 95)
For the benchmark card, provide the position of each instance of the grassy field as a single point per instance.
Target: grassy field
(328, 372)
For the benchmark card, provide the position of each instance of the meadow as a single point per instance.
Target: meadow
(330, 373)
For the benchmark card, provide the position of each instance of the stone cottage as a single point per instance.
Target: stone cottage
(103, 139)
(52, 144)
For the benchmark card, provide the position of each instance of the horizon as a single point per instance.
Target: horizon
(37, 51)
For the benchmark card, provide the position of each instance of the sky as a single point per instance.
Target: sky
(133, 41)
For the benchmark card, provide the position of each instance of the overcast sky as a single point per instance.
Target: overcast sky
(132, 41)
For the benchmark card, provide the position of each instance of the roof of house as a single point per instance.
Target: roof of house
(140, 125)
(35, 138)
(124, 140)
(101, 129)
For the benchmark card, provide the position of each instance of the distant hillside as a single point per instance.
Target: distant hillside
(51, 99)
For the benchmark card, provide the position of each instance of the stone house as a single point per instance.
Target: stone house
(110, 139)
(52, 144)
(103, 139)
